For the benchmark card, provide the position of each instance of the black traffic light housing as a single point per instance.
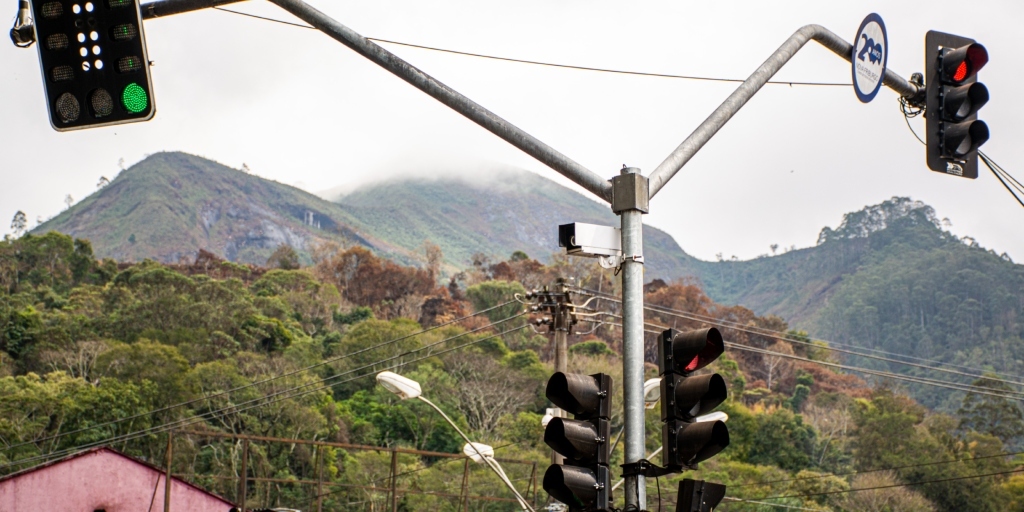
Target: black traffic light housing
(583, 482)
(94, 62)
(684, 397)
(953, 97)
(699, 496)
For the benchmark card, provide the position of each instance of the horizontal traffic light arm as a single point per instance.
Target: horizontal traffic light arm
(161, 8)
(689, 147)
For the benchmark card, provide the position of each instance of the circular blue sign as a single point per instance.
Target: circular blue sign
(870, 54)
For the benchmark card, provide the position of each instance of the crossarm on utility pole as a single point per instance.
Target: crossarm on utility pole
(457, 102)
(689, 147)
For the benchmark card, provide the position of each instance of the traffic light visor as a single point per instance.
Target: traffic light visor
(577, 440)
(960, 64)
(574, 486)
(701, 441)
(581, 395)
(701, 394)
(694, 350)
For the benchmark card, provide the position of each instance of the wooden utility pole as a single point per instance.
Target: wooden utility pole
(242, 477)
(167, 477)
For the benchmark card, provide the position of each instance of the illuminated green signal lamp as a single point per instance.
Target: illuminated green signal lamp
(134, 98)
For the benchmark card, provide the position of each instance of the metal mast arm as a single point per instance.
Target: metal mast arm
(689, 147)
(457, 102)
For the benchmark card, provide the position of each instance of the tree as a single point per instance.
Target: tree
(284, 257)
(19, 223)
(68, 201)
(993, 415)
(777, 367)
(103, 182)
(884, 496)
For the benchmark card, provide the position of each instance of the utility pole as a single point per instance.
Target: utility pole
(558, 304)
(629, 193)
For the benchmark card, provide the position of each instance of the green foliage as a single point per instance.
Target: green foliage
(355, 316)
(782, 438)
(993, 415)
(591, 348)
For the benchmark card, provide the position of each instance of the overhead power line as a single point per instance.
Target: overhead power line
(251, 404)
(1009, 182)
(548, 64)
(893, 486)
(876, 373)
(253, 384)
(787, 337)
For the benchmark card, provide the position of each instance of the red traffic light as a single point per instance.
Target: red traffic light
(960, 64)
(689, 351)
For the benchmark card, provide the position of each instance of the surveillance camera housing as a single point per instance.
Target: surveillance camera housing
(590, 240)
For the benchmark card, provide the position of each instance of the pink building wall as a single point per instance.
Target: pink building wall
(101, 480)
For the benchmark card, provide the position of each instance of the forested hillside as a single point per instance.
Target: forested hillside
(290, 351)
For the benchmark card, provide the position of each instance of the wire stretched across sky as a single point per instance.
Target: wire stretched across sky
(788, 337)
(253, 384)
(277, 396)
(548, 64)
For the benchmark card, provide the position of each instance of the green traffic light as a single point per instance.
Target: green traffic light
(135, 98)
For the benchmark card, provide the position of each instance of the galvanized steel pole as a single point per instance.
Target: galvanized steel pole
(631, 194)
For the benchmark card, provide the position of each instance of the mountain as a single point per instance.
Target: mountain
(889, 277)
(170, 205)
(504, 211)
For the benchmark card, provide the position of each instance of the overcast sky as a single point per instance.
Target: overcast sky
(299, 108)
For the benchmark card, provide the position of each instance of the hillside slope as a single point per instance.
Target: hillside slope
(170, 205)
(509, 210)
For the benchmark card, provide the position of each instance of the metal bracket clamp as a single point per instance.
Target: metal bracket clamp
(630, 191)
(648, 469)
(617, 261)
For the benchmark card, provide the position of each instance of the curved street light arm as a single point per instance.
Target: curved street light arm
(500, 473)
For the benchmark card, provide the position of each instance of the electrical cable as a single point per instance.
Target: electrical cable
(548, 64)
(877, 373)
(236, 409)
(858, 489)
(1000, 168)
(253, 384)
(999, 177)
(424, 468)
(868, 356)
(787, 337)
(775, 505)
(891, 468)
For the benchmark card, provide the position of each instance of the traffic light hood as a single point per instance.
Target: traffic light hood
(584, 396)
(689, 351)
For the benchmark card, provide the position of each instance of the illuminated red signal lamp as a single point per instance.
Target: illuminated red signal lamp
(690, 350)
(962, 63)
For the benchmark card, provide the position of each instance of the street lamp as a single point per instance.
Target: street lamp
(482, 453)
(407, 388)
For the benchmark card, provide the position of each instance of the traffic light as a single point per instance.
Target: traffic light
(953, 97)
(699, 496)
(94, 62)
(684, 397)
(582, 482)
